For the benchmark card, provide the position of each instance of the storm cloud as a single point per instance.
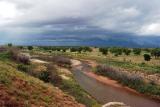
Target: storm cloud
(139, 17)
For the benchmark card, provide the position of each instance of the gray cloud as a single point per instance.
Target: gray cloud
(30, 16)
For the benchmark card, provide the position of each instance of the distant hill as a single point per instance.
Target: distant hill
(89, 38)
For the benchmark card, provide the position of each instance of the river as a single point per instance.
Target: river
(106, 93)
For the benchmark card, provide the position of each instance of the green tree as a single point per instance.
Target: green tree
(116, 51)
(30, 47)
(104, 51)
(137, 51)
(155, 52)
(126, 51)
(147, 57)
(10, 45)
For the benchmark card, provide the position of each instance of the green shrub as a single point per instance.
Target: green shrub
(116, 51)
(131, 80)
(126, 51)
(51, 75)
(9, 44)
(4, 78)
(104, 51)
(137, 51)
(44, 76)
(30, 47)
(155, 52)
(22, 67)
(147, 57)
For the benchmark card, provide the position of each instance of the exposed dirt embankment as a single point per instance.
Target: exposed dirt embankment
(18, 89)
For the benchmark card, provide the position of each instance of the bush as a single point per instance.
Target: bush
(9, 44)
(23, 67)
(147, 57)
(155, 53)
(104, 51)
(20, 57)
(116, 51)
(137, 51)
(23, 58)
(80, 49)
(50, 75)
(3, 49)
(126, 51)
(20, 47)
(62, 61)
(131, 80)
(123, 77)
(44, 76)
(30, 47)
(53, 75)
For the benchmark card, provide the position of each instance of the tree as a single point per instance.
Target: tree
(104, 51)
(126, 51)
(30, 47)
(147, 57)
(155, 52)
(10, 45)
(137, 51)
(116, 51)
(87, 49)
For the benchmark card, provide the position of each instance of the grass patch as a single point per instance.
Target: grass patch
(4, 78)
(4, 56)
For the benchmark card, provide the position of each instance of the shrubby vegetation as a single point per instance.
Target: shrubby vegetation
(155, 52)
(20, 57)
(132, 80)
(62, 61)
(65, 48)
(22, 67)
(104, 51)
(127, 51)
(80, 49)
(9, 45)
(30, 47)
(147, 57)
(116, 50)
(137, 51)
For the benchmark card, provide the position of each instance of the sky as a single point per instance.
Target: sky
(25, 17)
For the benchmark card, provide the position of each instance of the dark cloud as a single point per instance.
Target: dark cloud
(39, 16)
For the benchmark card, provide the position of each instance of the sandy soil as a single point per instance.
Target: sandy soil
(38, 61)
(75, 62)
(115, 104)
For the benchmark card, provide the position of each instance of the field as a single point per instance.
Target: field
(149, 71)
(50, 68)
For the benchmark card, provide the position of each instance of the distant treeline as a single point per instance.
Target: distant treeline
(155, 52)
(65, 48)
